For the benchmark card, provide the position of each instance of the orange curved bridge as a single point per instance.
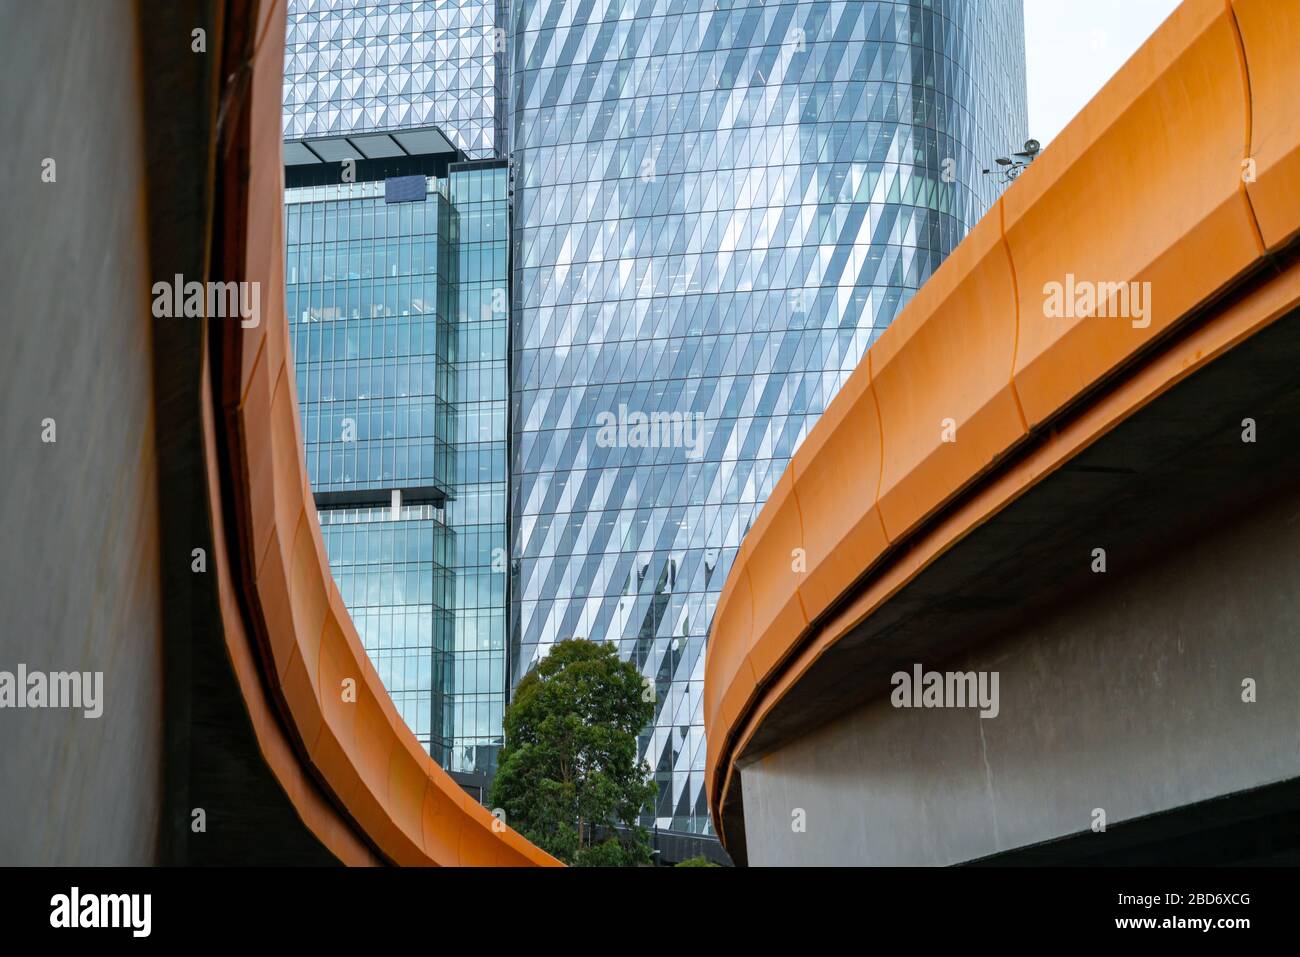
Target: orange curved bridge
(242, 720)
(1152, 238)
(160, 529)
(291, 639)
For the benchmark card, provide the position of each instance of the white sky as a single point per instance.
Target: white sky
(1072, 47)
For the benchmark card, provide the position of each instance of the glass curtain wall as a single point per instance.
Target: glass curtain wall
(477, 515)
(369, 293)
(718, 206)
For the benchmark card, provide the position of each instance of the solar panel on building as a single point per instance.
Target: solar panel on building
(405, 189)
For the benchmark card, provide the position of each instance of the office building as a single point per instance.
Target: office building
(395, 291)
(717, 207)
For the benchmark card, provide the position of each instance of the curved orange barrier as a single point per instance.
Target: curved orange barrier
(1174, 182)
(1268, 32)
(385, 798)
(1144, 185)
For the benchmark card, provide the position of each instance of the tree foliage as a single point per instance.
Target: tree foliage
(569, 768)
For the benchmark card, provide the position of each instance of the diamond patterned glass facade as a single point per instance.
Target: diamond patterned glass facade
(718, 205)
(356, 66)
(399, 317)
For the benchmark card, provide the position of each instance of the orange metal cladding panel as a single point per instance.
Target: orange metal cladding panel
(518, 852)
(277, 609)
(408, 769)
(1143, 186)
(712, 756)
(252, 346)
(729, 638)
(941, 374)
(371, 755)
(372, 811)
(286, 448)
(338, 667)
(375, 741)
(254, 416)
(298, 687)
(308, 597)
(264, 233)
(443, 816)
(479, 844)
(837, 479)
(271, 334)
(778, 549)
(264, 239)
(735, 698)
(1270, 37)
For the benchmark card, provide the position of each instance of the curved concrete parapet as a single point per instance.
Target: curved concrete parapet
(287, 629)
(1176, 191)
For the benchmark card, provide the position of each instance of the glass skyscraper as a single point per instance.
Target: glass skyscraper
(398, 317)
(368, 294)
(399, 311)
(718, 205)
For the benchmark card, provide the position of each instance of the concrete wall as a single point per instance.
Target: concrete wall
(1129, 699)
(79, 549)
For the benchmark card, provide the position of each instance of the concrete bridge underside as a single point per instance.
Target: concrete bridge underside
(1120, 691)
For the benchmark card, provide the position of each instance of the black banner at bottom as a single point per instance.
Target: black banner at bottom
(484, 908)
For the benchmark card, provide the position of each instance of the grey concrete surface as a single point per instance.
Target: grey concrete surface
(78, 556)
(1128, 699)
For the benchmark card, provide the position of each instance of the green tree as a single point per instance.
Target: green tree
(569, 767)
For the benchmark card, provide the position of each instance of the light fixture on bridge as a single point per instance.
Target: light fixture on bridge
(1012, 166)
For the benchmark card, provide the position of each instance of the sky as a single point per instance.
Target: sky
(1072, 47)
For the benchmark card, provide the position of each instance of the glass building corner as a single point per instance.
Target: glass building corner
(399, 322)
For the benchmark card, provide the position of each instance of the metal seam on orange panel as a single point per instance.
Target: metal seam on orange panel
(880, 439)
(803, 541)
(1015, 305)
(424, 798)
(279, 374)
(320, 642)
(270, 539)
(750, 589)
(313, 745)
(244, 386)
(1249, 146)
